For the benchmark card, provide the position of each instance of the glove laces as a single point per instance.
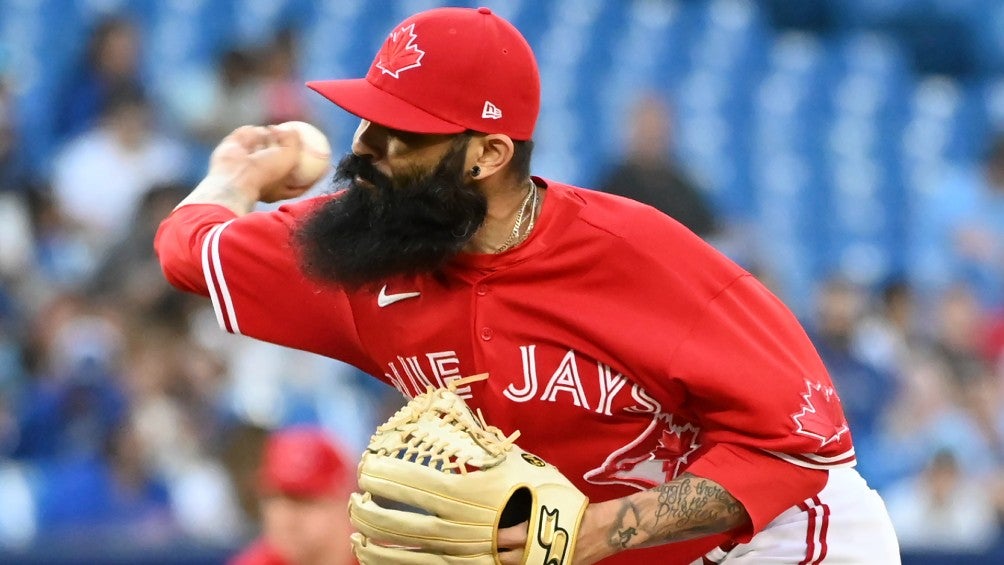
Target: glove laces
(438, 430)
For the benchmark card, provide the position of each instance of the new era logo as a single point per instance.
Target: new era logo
(491, 111)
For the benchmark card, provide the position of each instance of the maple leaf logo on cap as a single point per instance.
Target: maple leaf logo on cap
(820, 416)
(400, 53)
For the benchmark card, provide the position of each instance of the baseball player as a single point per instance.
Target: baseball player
(667, 384)
(304, 481)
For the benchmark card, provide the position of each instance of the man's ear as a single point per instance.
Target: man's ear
(490, 153)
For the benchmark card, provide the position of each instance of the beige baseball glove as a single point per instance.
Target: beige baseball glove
(463, 480)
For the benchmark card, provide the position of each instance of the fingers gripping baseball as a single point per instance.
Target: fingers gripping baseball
(476, 494)
(259, 160)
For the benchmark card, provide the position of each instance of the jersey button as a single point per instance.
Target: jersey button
(482, 289)
(487, 333)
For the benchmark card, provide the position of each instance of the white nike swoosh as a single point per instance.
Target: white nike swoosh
(385, 299)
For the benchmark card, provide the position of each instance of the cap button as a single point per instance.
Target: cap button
(483, 10)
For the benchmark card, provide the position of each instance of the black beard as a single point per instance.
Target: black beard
(406, 225)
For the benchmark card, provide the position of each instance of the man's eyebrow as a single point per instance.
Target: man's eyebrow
(407, 134)
(415, 137)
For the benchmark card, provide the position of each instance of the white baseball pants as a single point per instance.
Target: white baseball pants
(846, 523)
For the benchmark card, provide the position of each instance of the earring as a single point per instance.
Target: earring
(475, 171)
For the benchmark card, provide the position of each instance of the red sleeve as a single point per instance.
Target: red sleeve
(249, 269)
(765, 485)
(179, 244)
(764, 399)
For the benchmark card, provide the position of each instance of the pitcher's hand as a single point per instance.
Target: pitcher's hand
(255, 160)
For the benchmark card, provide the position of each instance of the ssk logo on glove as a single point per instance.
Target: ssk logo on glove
(552, 537)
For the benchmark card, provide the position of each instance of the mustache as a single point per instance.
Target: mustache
(352, 166)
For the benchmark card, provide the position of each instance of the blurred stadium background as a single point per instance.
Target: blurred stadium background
(845, 148)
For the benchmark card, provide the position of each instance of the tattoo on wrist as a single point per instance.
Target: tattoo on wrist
(220, 192)
(684, 508)
(625, 527)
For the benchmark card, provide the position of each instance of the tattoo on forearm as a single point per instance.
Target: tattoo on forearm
(625, 528)
(684, 508)
(670, 498)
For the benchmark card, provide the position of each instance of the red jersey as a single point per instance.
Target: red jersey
(624, 348)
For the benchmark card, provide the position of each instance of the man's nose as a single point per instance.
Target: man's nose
(370, 140)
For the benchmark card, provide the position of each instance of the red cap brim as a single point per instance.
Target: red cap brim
(359, 97)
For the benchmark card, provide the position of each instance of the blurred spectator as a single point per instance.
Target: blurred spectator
(272, 386)
(71, 423)
(100, 177)
(942, 509)
(949, 396)
(649, 174)
(210, 107)
(72, 404)
(171, 385)
(962, 229)
(993, 346)
(888, 337)
(285, 97)
(18, 521)
(63, 256)
(16, 253)
(114, 495)
(865, 390)
(129, 274)
(11, 158)
(958, 337)
(958, 345)
(304, 482)
(109, 64)
(242, 451)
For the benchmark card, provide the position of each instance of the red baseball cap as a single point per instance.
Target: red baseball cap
(447, 70)
(303, 461)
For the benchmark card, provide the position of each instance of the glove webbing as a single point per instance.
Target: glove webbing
(438, 434)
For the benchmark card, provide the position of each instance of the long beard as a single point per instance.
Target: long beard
(406, 225)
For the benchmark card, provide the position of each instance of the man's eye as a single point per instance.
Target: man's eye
(405, 136)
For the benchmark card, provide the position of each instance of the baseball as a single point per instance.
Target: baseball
(315, 155)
